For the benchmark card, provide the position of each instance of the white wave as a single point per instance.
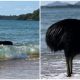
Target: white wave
(17, 51)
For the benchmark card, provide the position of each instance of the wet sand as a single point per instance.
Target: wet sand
(19, 69)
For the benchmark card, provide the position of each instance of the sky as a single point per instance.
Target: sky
(18, 7)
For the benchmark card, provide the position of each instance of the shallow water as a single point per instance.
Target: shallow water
(53, 66)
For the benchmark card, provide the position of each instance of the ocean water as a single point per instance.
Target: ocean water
(53, 65)
(23, 34)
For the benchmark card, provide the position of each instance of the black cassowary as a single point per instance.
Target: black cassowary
(65, 35)
(6, 43)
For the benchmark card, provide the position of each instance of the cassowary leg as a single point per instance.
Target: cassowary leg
(71, 64)
(68, 67)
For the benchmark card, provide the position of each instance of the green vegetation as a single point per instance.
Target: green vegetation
(29, 16)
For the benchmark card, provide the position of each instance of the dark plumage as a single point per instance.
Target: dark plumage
(6, 43)
(65, 35)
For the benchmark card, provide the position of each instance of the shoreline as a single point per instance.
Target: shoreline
(19, 69)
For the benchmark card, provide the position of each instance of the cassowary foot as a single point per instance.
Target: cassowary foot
(69, 75)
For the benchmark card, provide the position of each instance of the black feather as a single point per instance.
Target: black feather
(63, 34)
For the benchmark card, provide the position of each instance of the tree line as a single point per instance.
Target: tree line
(29, 16)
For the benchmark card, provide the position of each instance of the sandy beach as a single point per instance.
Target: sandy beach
(19, 69)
